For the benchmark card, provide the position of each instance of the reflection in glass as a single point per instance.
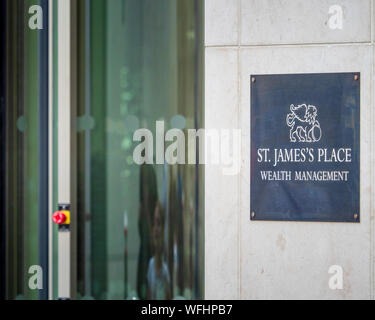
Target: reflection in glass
(24, 114)
(140, 230)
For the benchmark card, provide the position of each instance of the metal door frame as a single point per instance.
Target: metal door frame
(66, 173)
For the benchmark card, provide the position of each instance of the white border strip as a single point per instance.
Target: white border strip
(64, 138)
(50, 150)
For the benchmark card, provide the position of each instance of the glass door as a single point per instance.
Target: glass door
(140, 228)
(74, 94)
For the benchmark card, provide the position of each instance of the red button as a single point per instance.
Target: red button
(59, 217)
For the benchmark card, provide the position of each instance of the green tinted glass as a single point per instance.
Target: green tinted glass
(140, 230)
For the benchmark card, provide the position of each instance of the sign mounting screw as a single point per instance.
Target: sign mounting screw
(355, 216)
(253, 79)
(253, 215)
(356, 77)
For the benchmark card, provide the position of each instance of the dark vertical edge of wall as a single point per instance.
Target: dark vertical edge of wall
(43, 149)
(2, 144)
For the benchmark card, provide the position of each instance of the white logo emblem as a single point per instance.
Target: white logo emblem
(303, 124)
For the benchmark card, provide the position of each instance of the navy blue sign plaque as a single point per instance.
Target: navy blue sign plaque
(305, 147)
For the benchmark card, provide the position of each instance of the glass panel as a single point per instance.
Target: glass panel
(26, 152)
(140, 230)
